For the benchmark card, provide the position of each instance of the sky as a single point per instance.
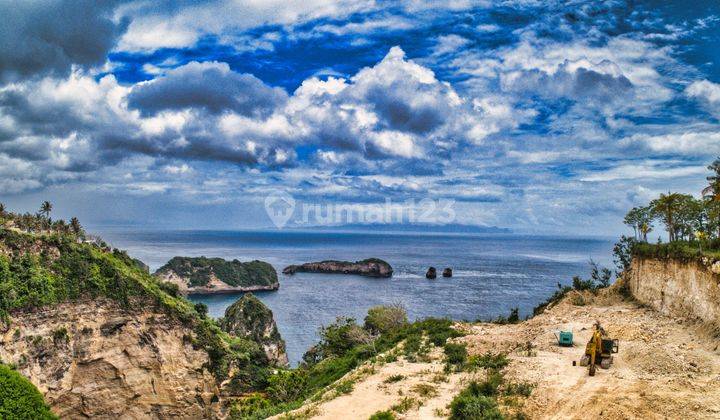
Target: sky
(539, 116)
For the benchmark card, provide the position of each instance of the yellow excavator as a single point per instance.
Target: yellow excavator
(599, 350)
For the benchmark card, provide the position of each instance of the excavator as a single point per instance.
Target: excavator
(599, 350)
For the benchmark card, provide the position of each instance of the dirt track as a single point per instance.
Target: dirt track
(666, 368)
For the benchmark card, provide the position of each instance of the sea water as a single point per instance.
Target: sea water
(492, 273)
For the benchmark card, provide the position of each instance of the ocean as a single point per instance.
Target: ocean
(492, 273)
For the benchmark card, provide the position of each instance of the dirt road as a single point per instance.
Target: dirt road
(666, 369)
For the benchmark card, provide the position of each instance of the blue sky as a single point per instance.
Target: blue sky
(552, 117)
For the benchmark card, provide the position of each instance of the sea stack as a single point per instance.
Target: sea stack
(431, 273)
(447, 272)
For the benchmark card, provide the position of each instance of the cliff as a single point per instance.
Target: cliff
(100, 337)
(371, 267)
(248, 317)
(97, 358)
(680, 288)
(203, 275)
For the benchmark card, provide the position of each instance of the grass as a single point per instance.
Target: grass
(424, 390)
(394, 378)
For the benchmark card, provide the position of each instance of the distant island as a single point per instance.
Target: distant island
(410, 227)
(371, 267)
(202, 275)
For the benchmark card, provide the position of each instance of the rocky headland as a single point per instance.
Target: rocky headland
(201, 275)
(371, 267)
(100, 337)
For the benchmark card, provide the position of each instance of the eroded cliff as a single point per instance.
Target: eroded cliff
(685, 289)
(96, 358)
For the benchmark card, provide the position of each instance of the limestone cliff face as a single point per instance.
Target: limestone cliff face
(676, 288)
(249, 318)
(96, 359)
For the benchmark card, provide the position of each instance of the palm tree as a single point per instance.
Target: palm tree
(2, 209)
(75, 226)
(46, 208)
(713, 189)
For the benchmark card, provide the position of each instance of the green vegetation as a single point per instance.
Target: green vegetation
(343, 346)
(383, 415)
(480, 399)
(19, 399)
(692, 225)
(49, 267)
(600, 278)
(199, 271)
(394, 378)
(381, 319)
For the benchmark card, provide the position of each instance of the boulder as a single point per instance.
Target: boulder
(431, 273)
(447, 272)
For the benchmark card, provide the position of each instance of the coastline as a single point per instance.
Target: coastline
(230, 290)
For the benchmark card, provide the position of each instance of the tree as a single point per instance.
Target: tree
(640, 219)
(2, 209)
(713, 188)
(711, 193)
(46, 208)
(666, 209)
(76, 227)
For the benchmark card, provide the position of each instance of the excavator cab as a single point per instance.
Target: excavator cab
(599, 350)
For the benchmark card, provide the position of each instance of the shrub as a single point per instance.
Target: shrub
(383, 415)
(287, 385)
(455, 354)
(337, 339)
(488, 361)
(201, 309)
(382, 319)
(477, 400)
(521, 388)
(171, 289)
(19, 399)
(471, 407)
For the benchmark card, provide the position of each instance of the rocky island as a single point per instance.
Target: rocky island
(371, 267)
(201, 275)
(250, 318)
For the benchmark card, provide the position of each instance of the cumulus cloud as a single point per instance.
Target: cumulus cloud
(395, 110)
(211, 86)
(49, 37)
(707, 92)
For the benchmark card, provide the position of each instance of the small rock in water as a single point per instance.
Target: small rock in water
(447, 272)
(431, 273)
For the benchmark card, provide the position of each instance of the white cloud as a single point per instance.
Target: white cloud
(449, 44)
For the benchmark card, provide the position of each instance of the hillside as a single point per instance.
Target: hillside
(99, 336)
(216, 275)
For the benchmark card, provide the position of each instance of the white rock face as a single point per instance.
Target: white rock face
(686, 290)
(97, 359)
